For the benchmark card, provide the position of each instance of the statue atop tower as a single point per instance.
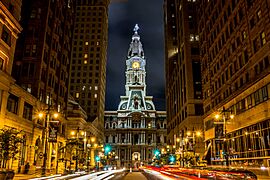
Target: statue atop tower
(135, 48)
(136, 28)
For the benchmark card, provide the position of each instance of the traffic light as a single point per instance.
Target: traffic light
(156, 152)
(107, 149)
(97, 158)
(172, 159)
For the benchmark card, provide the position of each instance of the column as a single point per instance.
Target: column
(3, 106)
(129, 154)
(141, 158)
(20, 107)
(92, 157)
(145, 158)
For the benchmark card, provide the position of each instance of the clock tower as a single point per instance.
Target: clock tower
(134, 99)
(135, 71)
(136, 130)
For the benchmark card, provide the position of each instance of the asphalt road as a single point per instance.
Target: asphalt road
(134, 176)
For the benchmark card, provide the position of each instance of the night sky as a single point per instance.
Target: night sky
(123, 15)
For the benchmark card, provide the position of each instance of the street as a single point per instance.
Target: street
(147, 174)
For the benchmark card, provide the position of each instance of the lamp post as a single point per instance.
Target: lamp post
(45, 134)
(192, 135)
(224, 120)
(80, 135)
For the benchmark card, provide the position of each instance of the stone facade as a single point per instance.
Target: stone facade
(234, 42)
(20, 104)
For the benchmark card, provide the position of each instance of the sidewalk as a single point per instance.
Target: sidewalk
(263, 177)
(27, 176)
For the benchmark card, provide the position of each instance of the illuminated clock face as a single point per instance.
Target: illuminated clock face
(135, 65)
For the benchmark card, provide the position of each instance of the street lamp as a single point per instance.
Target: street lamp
(217, 116)
(46, 116)
(80, 135)
(192, 135)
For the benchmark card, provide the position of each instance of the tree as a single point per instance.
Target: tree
(10, 141)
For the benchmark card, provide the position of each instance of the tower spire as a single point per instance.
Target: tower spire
(135, 48)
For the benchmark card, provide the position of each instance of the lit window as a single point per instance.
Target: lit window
(86, 43)
(244, 34)
(190, 17)
(85, 61)
(85, 55)
(197, 38)
(191, 37)
(58, 108)
(96, 88)
(34, 49)
(263, 40)
(77, 95)
(47, 99)
(259, 14)
(95, 95)
(83, 88)
(98, 43)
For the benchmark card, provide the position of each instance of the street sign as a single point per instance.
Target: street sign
(52, 135)
(40, 155)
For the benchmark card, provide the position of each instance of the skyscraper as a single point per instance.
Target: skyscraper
(88, 65)
(136, 129)
(183, 73)
(42, 57)
(234, 45)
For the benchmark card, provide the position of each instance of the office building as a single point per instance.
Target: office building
(234, 46)
(89, 53)
(183, 77)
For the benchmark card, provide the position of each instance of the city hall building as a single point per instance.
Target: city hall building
(136, 129)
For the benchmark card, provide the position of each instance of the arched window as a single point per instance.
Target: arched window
(158, 125)
(107, 125)
(114, 125)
